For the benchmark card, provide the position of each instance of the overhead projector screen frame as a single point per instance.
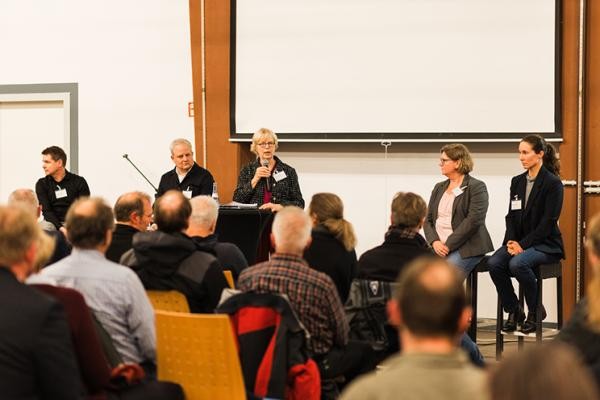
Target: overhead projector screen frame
(554, 134)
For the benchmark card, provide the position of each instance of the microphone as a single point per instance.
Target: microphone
(126, 156)
(265, 163)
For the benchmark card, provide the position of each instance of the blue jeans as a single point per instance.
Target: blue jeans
(466, 265)
(503, 266)
(470, 347)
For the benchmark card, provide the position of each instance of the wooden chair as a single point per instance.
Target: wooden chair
(198, 351)
(229, 278)
(168, 300)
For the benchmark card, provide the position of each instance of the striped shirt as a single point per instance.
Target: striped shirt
(312, 294)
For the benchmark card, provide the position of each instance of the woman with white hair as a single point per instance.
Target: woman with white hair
(267, 181)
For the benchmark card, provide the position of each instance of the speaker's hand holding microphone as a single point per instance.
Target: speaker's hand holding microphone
(262, 172)
(265, 164)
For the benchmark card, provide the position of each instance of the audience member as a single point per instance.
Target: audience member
(59, 188)
(114, 293)
(169, 260)
(582, 331)
(187, 176)
(312, 294)
(36, 354)
(431, 309)
(201, 229)
(455, 223)
(532, 235)
(402, 242)
(332, 248)
(547, 372)
(27, 198)
(133, 212)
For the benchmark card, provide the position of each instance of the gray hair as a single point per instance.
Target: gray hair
(291, 229)
(25, 198)
(205, 211)
(180, 141)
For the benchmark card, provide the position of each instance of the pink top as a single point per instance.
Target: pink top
(443, 224)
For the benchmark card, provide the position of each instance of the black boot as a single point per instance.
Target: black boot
(514, 318)
(529, 324)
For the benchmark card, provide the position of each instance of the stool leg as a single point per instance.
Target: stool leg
(472, 289)
(520, 338)
(559, 302)
(499, 336)
(538, 310)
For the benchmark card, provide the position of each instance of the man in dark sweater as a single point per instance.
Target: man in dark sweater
(59, 188)
(169, 260)
(201, 229)
(187, 176)
(133, 212)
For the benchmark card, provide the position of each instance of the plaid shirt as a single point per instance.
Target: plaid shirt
(312, 294)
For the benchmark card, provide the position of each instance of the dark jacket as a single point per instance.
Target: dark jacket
(384, 262)
(36, 354)
(229, 255)
(171, 262)
(469, 234)
(536, 223)
(121, 242)
(328, 255)
(198, 180)
(285, 192)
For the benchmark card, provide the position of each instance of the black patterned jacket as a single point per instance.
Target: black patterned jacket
(285, 192)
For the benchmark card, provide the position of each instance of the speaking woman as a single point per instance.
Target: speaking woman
(532, 236)
(267, 181)
(455, 223)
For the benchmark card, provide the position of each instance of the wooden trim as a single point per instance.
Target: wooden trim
(196, 46)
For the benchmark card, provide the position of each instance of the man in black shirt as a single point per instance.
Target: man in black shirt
(187, 176)
(59, 188)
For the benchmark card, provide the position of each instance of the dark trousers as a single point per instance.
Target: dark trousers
(355, 359)
(503, 266)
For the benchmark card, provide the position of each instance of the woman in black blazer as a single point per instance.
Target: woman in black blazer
(532, 235)
(455, 223)
(332, 248)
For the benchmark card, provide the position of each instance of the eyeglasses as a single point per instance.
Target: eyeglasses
(266, 144)
(444, 160)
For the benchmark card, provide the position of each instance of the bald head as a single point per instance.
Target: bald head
(431, 298)
(172, 212)
(88, 222)
(134, 209)
(291, 230)
(25, 198)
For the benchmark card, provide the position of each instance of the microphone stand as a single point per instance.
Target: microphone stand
(125, 156)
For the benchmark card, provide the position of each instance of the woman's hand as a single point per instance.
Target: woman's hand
(271, 206)
(261, 172)
(440, 248)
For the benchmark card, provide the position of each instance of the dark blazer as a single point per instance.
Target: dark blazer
(469, 234)
(36, 353)
(328, 255)
(121, 242)
(198, 180)
(536, 223)
(285, 192)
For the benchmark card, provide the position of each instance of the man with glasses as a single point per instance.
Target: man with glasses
(187, 176)
(267, 181)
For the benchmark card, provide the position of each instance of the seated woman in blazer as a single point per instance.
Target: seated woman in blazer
(455, 223)
(532, 236)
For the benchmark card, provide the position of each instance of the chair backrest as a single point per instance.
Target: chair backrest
(168, 300)
(198, 351)
(229, 278)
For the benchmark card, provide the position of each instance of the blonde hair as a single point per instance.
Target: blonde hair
(328, 210)
(18, 230)
(408, 210)
(260, 134)
(592, 242)
(45, 248)
(459, 152)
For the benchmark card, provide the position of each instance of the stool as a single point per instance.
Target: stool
(542, 271)
(472, 290)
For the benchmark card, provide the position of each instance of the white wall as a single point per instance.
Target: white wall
(132, 62)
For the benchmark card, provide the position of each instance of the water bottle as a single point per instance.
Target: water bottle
(215, 193)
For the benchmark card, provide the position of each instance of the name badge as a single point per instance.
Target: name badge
(515, 205)
(187, 194)
(60, 193)
(457, 191)
(279, 175)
